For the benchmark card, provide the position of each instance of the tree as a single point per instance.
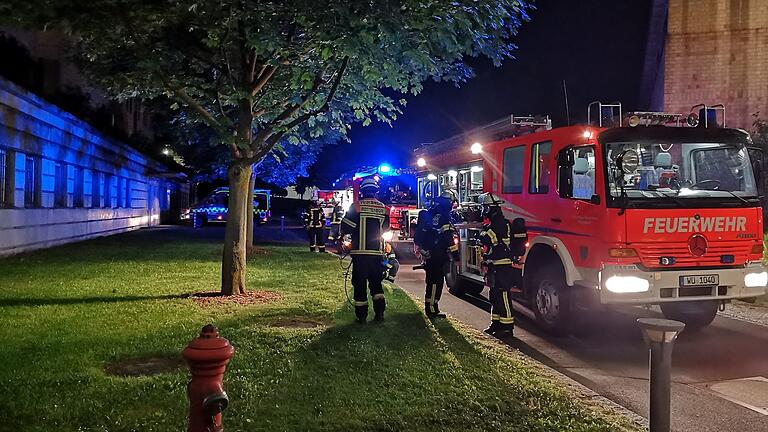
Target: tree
(254, 70)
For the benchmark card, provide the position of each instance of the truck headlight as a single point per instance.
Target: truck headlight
(752, 280)
(626, 284)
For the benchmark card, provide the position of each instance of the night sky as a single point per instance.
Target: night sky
(597, 46)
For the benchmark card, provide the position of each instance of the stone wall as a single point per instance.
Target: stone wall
(62, 181)
(717, 52)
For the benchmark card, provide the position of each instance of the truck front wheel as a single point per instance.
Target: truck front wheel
(550, 299)
(695, 314)
(457, 285)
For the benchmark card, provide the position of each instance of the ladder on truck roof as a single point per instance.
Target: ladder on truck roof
(505, 127)
(607, 112)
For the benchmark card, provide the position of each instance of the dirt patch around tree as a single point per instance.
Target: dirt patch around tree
(145, 366)
(214, 298)
(298, 322)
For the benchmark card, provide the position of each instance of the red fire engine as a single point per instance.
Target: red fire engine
(395, 190)
(653, 209)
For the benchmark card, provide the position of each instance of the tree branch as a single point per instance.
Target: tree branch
(262, 79)
(208, 118)
(269, 139)
(331, 93)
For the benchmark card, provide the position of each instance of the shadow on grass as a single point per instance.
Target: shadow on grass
(84, 300)
(401, 374)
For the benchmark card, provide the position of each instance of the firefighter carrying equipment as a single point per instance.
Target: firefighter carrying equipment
(434, 239)
(315, 221)
(336, 216)
(502, 243)
(365, 228)
(391, 264)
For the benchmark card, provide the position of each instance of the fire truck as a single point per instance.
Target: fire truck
(396, 190)
(632, 209)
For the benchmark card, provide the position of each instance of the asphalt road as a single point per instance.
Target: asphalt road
(608, 356)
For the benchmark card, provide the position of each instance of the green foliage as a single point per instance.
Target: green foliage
(277, 64)
(68, 311)
(760, 133)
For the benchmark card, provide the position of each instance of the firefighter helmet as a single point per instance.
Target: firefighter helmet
(369, 187)
(449, 195)
(444, 202)
(490, 203)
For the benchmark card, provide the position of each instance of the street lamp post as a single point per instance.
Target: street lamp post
(659, 336)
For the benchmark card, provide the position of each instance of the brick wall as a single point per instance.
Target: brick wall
(717, 52)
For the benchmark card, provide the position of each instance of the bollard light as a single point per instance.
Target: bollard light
(659, 335)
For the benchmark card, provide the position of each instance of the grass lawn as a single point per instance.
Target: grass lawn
(67, 312)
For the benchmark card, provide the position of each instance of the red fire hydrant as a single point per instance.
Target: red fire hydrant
(207, 357)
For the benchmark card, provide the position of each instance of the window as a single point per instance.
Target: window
(119, 201)
(96, 178)
(106, 189)
(70, 172)
(583, 172)
(541, 162)
(2, 177)
(87, 188)
(60, 187)
(79, 193)
(31, 182)
(127, 194)
(513, 170)
(113, 191)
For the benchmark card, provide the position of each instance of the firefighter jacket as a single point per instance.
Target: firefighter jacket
(435, 235)
(502, 241)
(314, 218)
(366, 227)
(337, 215)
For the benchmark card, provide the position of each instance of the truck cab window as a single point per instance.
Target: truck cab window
(540, 168)
(513, 169)
(583, 172)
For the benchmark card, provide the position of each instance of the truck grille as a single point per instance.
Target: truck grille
(651, 253)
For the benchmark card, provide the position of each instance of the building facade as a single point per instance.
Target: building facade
(717, 52)
(62, 181)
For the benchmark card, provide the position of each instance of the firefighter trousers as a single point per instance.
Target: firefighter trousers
(316, 240)
(435, 279)
(334, 233)
(501, 279)
(367, 274)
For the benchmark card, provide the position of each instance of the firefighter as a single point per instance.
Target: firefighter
(336, 216)
(434, 241)
(390, 262)
(366, 226)
(502, 243)
(314, 219)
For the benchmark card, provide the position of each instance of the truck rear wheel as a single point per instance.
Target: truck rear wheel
(458, 285)
(695, 314)
(550, 298)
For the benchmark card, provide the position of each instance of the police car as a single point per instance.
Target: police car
(213, 208)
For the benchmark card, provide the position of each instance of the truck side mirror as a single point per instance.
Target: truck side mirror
(595, 199)
(565, 161)
(757, 157)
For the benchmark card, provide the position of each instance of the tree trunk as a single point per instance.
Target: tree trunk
(249, 215)
(233, 266)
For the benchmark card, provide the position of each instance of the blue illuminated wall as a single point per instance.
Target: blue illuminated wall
(62, 181)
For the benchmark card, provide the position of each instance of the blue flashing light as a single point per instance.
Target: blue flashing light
(385, 168)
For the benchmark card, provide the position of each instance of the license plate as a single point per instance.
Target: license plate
(699, 280)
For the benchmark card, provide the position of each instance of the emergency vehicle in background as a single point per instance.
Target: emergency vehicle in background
(396, 189)
(327, 199)
(635, 209)
(213, 208)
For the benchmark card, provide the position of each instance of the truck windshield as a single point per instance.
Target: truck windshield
(261, 201)
(680, 171)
